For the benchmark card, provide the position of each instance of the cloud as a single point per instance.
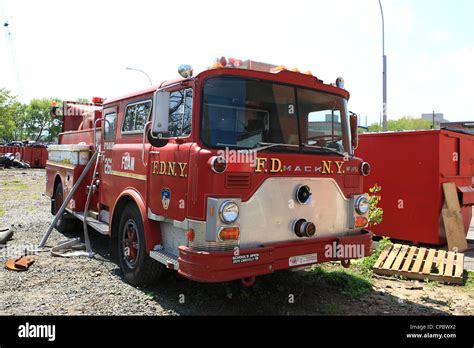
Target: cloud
(67, 50)
(440, 82)
(399, 17)
(440, 35)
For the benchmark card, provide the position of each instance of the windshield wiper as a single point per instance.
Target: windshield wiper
(328, 149)
(264, 146)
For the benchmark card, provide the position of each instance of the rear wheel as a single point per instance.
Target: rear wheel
(66, 222)
(137, 267)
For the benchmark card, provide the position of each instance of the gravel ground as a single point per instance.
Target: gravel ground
(83, 286)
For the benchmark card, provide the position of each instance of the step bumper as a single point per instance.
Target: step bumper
(226, 266)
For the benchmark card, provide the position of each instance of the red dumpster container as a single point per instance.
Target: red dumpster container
(39, 156)
(36, 156)
(411, 167)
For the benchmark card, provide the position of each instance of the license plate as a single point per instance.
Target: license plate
(303, 259)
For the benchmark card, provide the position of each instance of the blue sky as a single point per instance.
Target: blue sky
(70, 49)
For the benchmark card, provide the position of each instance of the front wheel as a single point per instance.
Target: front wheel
(137, 267)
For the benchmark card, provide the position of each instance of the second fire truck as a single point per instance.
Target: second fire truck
(242, 170)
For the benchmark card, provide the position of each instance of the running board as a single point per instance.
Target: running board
(165, 257)
(99, 226)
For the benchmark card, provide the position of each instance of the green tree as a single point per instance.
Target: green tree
(20, 119)
(39, 124)
(404, 123)
(83, 100)
(7, 114)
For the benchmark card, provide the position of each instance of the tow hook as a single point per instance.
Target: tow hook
(248, 282)
(346, 263)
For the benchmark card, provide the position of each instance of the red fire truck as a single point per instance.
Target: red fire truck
(242, 170)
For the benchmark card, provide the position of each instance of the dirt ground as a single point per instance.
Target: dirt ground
(77, 286)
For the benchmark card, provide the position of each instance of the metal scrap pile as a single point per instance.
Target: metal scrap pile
(8, 160)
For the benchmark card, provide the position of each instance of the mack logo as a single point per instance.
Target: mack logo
(274, 165)
(128, 163)
(169, 168)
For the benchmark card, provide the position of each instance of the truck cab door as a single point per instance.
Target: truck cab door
(108, 141)
(169, 165)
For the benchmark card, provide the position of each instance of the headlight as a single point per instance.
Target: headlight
(362, 205)
(229, 212)
(303, 194)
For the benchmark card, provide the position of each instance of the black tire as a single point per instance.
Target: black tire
(66, 223)
(138, 268)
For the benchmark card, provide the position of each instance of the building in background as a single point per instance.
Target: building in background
(438, 118)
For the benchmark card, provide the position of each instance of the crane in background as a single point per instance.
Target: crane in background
(11, 52)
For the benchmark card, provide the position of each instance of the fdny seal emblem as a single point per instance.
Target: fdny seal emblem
(165, 198)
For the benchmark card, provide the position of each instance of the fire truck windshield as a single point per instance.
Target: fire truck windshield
(248, 113)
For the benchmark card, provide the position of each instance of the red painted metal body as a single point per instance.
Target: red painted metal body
(35, 156)
(196, 182)
(411, 167)
(218, 267)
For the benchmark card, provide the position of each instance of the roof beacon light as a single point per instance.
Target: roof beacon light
(235, 63)
(279, 68)
(97, 100)
(223, 62)
(340, 82)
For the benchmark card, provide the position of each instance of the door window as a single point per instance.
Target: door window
(109, 126)
(180, 113)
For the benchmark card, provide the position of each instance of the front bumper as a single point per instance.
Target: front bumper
(226, 266)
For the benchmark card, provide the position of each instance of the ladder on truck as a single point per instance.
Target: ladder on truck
(97, 225)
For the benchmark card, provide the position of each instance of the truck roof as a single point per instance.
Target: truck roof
(144, 91)
(254, 68)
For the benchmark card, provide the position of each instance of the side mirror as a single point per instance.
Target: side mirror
(354, 133)
(159, 120)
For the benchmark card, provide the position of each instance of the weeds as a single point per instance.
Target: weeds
(331, 308)
(375, 212)
(349, 282)
(469, 286)
(365, 265)
(14, 185)
(430, 283)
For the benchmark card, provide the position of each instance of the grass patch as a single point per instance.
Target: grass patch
(430, 283)
(365, 265)
(14, 185)
(349, 282)
(31, 209)
(469, 286)
(2, 212)
(331, 308)
(355, 281)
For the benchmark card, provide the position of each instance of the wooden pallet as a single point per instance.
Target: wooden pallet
(421, 263)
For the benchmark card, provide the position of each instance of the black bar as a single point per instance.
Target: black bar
(364, 330)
